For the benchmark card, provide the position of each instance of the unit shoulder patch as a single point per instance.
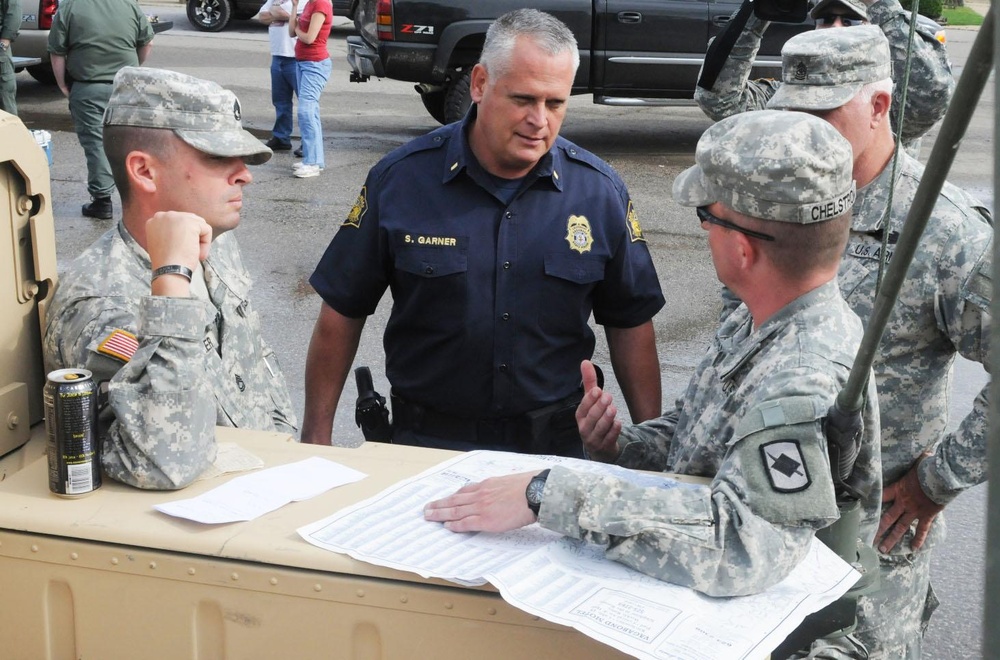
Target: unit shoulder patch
(119, 344)
(785, 466)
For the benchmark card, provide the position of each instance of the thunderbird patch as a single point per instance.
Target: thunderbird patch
(119, 344)
(632, 220)
(358, 210)
(578, 234)
(785, 466)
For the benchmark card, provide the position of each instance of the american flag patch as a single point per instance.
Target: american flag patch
(119, 344)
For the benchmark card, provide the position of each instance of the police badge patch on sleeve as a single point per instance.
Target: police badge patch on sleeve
(632, 220)
(785, 466)
(358, 210)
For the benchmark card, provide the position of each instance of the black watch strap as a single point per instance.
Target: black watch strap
(533, 493)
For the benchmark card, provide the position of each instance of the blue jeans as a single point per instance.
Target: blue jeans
(284, 84)
(312, 77)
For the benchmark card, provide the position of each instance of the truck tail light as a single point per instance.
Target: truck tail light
(383, 21)
(46, 10)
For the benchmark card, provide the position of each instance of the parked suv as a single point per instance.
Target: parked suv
(214, 15)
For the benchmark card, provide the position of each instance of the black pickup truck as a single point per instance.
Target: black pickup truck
(632, 52)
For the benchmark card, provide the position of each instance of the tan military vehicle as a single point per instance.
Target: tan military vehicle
(105, 576)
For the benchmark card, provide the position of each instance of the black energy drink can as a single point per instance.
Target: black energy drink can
(71, 423)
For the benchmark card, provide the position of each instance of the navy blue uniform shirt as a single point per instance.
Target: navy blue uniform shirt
(490, 300)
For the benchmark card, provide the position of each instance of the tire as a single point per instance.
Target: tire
(42, 73)
(209, 15)
(458, 97)
(434, 103)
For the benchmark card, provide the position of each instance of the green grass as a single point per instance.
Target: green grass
(961, 16)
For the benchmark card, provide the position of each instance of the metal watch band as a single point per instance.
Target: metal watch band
(174, 269)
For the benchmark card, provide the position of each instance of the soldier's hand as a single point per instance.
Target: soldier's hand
(176, 238)
(497, 504)
(909, 503)
(597, 418)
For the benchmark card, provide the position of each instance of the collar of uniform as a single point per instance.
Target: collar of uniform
(744, 342)
(460, 156)
(872, 200)
(133, 245)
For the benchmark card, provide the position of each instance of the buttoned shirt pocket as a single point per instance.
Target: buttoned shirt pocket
(431, 286)
(568, 288)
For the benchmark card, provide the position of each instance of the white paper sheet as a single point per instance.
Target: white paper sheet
(569, 582)
(253, 495)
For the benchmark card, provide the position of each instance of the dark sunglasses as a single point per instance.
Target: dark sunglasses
(846, 21)
(705, 216)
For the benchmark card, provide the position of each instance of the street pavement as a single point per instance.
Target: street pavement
(288, 223)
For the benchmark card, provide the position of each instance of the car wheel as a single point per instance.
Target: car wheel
(458, 97)
(42, 73)
(209, 15)
(434, 103)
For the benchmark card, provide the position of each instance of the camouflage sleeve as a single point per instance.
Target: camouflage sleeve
(739, 535)
(733, 91)
(959, 461)
(931, 81)
(646, 446)
(163, 435)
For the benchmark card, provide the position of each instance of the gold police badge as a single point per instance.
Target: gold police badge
(632, 220)
(578, 234)
(358, 210)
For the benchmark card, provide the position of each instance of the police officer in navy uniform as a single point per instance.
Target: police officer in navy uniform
(498, 239)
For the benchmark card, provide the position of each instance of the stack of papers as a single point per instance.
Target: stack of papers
(570, 582)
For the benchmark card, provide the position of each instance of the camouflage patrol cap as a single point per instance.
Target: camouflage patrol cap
(856, 7)
(200, 112)
(771, 165)
(824, 69)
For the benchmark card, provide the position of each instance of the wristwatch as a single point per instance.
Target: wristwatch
(3, 46)
(533, 493)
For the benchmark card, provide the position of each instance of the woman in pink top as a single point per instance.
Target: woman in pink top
(314, 66)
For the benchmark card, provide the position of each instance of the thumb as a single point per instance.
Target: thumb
(589, 375)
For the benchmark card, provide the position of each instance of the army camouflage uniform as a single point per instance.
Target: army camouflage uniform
(942, 310)
(177, 366)
(931, 82)
(199, 363)
(752, 416)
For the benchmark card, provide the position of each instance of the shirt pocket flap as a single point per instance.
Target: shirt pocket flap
(580, 269)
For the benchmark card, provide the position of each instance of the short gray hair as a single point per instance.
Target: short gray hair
(546, 30)
(868, 90)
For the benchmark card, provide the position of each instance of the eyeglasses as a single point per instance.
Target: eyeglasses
(845, 21)
(705, 216)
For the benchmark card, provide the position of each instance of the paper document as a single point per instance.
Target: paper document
(230, 457)
(570, 582)
(253, 495)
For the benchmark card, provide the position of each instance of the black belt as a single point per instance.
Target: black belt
(548, 430)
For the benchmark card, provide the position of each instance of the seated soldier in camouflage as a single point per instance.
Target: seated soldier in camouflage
(158, 307)
(774, 194)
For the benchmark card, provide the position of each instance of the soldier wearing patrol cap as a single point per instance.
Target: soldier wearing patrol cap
(942, 310)
(159, 305)
(931, 82)
(752, 417)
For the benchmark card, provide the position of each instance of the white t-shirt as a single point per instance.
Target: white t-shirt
(281, 43)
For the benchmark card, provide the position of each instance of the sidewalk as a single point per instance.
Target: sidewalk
(978, 6)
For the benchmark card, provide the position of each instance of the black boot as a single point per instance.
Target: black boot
(99, 207)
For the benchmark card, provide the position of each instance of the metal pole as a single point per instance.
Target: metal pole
(956, 121)
(991, 611)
